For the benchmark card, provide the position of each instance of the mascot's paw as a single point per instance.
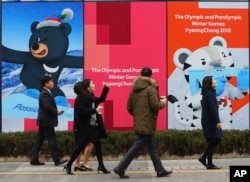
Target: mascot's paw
(243, 79)
(61, 101)
(34, 93)
(171, 99)
(221, 83)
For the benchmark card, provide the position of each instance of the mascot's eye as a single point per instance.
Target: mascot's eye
(38, 39)
(203, 62)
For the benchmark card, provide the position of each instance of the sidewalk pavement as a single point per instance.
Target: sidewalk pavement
(138, 170)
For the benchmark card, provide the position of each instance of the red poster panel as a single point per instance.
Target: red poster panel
(208, 39)
(120, 39)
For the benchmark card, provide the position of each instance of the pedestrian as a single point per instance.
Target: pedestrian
(87, 119)
(78, 89)
(210, 121)
(47, 120)
(143, 104)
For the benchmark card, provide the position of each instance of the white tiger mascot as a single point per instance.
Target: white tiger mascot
(204, 59)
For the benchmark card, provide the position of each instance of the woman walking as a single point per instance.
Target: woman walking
(78, 89)
(87, 118)
(210, 121)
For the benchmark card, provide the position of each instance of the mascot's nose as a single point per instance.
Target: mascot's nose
(35, 46)
(216, 63)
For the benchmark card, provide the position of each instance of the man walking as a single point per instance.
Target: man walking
(143, 104)
(46, 121)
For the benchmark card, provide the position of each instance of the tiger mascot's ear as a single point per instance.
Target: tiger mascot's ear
(218, 41)
(180, 56)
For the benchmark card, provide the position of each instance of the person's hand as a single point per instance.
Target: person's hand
(164, 100)
(107, 85)
(219, 125)
(99, 109)
(60, 112)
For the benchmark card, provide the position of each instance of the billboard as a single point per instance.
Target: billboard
(208, 38)
(39, 38)
(110, 41)
(120, 39)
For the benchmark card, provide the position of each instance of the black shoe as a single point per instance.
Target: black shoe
(36, 163)
(86, 168)
(203, 162)
(213, 167)
(120, 173)
(79, 168)
(103, 169)
(68, 170)
(60, 162)
(164, 173)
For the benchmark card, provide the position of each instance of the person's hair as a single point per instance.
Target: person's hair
(85, 91)
(146, 72)
(78, 88)
(45, 79)
(207, 85)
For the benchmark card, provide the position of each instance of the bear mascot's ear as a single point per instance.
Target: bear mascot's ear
(33, 26)
(65, 28)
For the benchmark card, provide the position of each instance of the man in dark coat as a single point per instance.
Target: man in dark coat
(143, 104)
(47, 119)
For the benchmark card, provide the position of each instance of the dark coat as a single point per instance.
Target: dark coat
(82, 115)
(210, 116)
(143, 104)
(47, 112)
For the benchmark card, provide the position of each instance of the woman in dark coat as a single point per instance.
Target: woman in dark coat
(87, 119)
(210, 121)
(78, 89)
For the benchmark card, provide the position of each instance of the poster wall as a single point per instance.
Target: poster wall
(208, 38)
(39, 39)
(109, 42)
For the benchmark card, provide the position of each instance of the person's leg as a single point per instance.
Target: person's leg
(87, 152)
(78, 159)
(50, 134)
(98, 151)
(204, 156)
(37, 146)
(129, 156)
(73, 156)
(154, 155)
(213, 142)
